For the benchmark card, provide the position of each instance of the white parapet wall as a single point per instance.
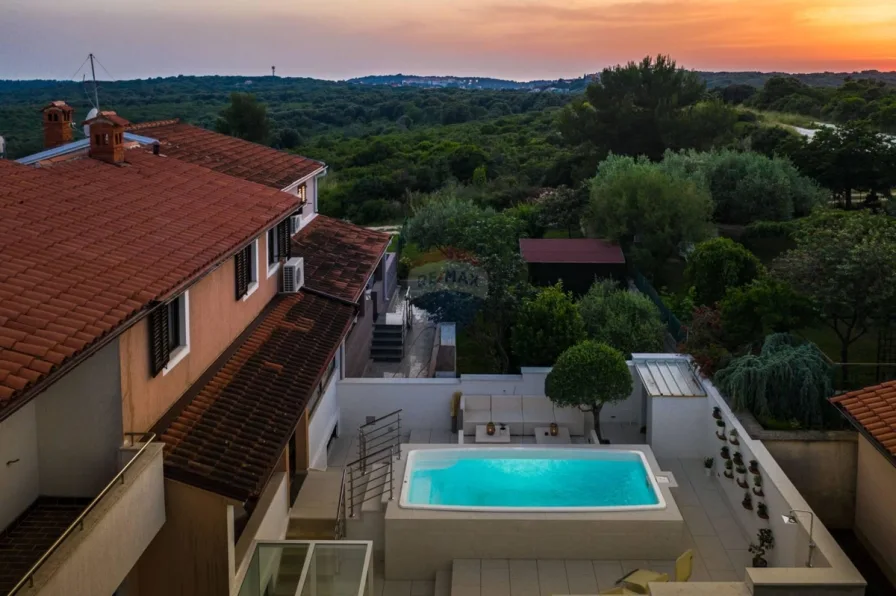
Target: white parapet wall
(426, 403)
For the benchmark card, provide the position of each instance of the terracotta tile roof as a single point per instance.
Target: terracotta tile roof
(573, 250)
(228, 155)
(874, 410)
(227, 433)
(87, 245)
(339, 257)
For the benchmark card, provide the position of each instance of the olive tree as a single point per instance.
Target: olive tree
(589, 375)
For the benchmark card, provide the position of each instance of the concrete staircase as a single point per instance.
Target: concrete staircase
(313, 516)
(387, 344)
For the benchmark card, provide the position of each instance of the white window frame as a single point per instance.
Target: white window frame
(253, 270)
(272, 268)
(183, 349)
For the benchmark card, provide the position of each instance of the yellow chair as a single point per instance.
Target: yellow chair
(639, 578)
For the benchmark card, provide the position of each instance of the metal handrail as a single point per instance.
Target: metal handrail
(363, 426)
(358, 461)
(340, 509)
(79, 521)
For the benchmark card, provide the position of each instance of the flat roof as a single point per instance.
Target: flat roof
(669, 378)
(571, 250)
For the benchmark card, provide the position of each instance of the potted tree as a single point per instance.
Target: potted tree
(707, 465)
(747, 501)
(455, 409)
(728, 472)
(732, 437)
(761, 510)
(717, 413)
(766, 543)
(754, 467)
(589, 375)
(724, 453)
(741, 476)
(737, 458)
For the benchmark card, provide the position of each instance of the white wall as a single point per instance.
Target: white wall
(426, 403)
(79, 427)
(320, 427)
(676, 426)
(269, 521)
(19, 481)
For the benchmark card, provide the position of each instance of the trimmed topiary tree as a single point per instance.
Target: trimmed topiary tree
(719, 264)
(627, 321)
(589, 375)
(546, 326)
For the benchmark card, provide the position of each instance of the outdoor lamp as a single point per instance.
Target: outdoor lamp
(790, 518)
(490, 427)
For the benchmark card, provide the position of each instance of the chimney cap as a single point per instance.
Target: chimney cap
(61, 105)
(109, 117)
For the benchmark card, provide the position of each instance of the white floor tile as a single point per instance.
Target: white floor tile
(495, 577)
(713, 553)
(724, 575)
(524, 577)
(552, 577)
(606, 573)
(697, 521)
(419, 588)
(580, 575)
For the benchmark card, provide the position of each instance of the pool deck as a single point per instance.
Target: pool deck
(719, 543)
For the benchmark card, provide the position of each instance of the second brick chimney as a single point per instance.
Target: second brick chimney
(107, 137)
(57, 118)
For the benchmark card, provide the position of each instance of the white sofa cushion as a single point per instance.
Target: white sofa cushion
(538, 411)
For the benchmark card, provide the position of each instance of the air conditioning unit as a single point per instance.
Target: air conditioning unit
(295, 224)
(293, 275)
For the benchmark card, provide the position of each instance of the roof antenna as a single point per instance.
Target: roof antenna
(273, 71)
(96, 93)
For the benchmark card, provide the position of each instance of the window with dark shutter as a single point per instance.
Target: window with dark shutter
(159, 347)
(283, 240)
(242, 262)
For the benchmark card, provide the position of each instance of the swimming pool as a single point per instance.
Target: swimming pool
(529, 479)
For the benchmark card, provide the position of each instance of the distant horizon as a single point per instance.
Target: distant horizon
(511, 39)
(432, 75)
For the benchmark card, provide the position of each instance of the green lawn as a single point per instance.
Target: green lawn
(863, 350)
(418, 257)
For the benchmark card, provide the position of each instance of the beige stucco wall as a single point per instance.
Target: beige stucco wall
(216, 320)
(190, 555)
(875, 513)
(824, 472)
(96, 559)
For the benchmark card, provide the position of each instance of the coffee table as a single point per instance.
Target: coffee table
(500, 436)
(543, 436)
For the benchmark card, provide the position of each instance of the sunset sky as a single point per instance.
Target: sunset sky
(520, 39)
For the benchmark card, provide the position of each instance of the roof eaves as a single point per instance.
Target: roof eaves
(863, 430)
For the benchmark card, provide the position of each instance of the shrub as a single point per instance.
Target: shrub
(546, 326)
(719, 264)
(627, 321)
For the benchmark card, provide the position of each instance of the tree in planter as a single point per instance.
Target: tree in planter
(589, 375)
(546, 325)
(718, 265)
(788, 379)
(846, 264)
(766, 542)
(627, 321)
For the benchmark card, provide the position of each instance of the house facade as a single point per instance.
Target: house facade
(166, 363)
(872, 411)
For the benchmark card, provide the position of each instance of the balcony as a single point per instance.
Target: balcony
(310, 568)
(81, 547)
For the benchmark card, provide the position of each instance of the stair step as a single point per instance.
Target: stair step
(311, 529)
(386, 351)
(387, 341)
(386, 358)
(443, 582)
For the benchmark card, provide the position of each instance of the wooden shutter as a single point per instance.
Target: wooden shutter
(284, 241)
(241, 261)
(159, 351)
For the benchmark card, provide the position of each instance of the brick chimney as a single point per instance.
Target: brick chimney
(57, 117)
(107, 137)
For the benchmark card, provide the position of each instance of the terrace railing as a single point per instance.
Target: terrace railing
(78, 525)
(371, 475)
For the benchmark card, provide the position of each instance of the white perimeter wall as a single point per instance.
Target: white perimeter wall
(19, 481)
(676, 426)
(320, 427)
(426, 403)
(79, 428)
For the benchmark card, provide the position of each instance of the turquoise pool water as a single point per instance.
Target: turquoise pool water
(535, 479)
